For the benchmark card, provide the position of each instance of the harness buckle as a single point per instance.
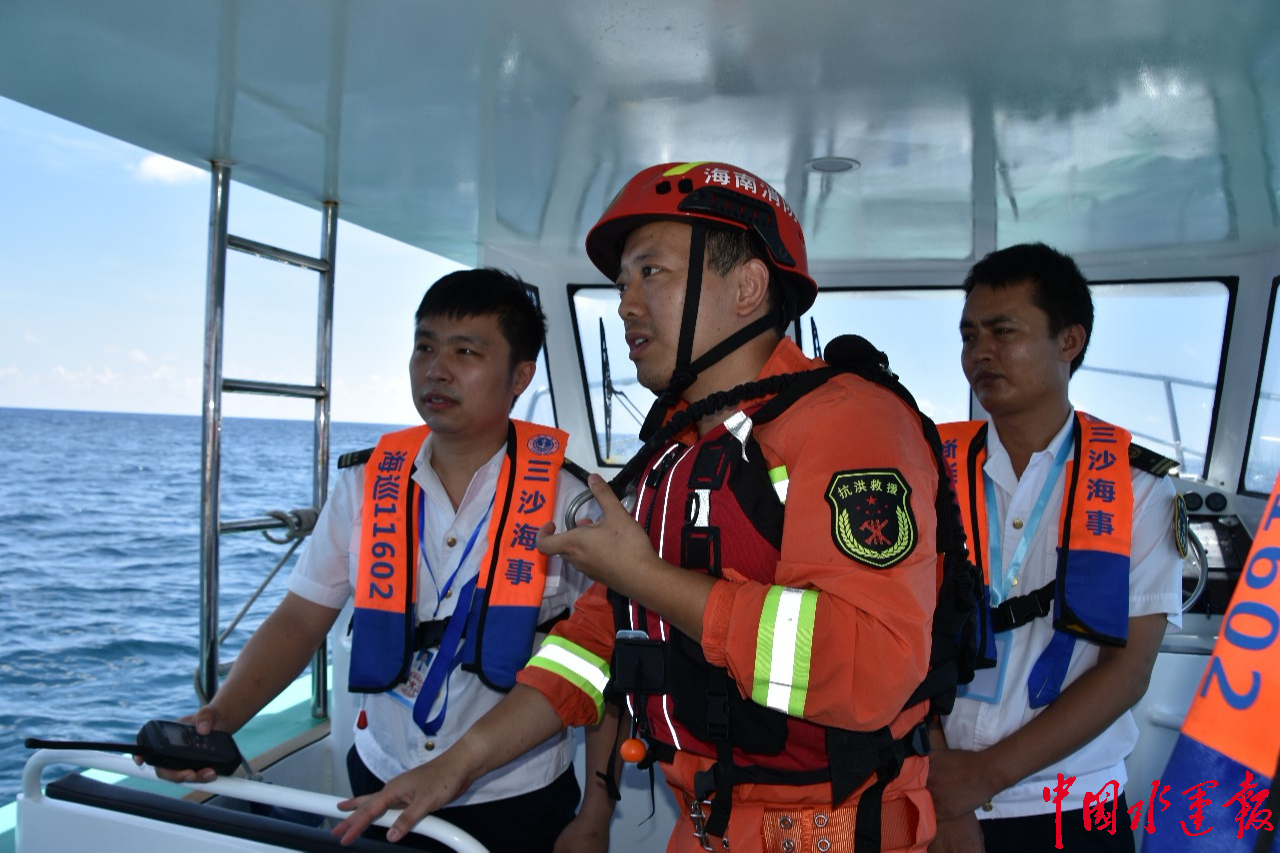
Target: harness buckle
(919, 740)
(700, 822)
(699, 819)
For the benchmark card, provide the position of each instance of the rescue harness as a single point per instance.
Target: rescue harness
(707, 702)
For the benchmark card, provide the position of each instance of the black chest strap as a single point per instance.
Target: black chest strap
(427, 635)
(1023, 609)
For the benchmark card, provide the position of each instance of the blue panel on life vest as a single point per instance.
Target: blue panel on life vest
(378, 660)
(1093, 602)
(507, 642)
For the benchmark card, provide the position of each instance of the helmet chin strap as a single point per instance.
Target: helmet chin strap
(686, 368)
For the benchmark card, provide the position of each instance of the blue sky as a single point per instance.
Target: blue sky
(102, 280)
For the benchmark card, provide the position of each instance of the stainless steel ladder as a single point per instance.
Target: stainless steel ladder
(211, 525)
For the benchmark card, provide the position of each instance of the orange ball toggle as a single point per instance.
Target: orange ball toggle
(632, 750)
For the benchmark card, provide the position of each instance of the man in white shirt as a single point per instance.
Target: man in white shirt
(451, 500)
(1075, 637)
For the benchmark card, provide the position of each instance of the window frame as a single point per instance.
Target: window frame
(800, 328)
(572, 290)
(889, 288)
(1273, 302)
(1231, 283)
(545, 352)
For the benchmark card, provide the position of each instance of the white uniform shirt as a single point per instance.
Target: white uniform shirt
(1155, 586)
(326, 574)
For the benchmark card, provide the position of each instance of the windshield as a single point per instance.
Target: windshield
(1152, 364)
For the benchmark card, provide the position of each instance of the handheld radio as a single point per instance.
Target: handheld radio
(169, 745)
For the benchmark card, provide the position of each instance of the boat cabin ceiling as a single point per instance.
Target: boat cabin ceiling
(1101, 127)
(910, 136)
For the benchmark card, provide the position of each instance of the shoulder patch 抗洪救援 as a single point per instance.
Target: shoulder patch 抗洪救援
(871, 517)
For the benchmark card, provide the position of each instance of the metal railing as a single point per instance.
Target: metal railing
(1167, 382)
(212, 527)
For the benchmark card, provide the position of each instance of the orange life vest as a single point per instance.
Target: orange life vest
(503, 611)
(1230, 744)
(1090, 592)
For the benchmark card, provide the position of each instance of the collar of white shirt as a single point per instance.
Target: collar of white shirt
(999, 467)
(427, 479)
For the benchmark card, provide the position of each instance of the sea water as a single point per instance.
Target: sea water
(100, 562)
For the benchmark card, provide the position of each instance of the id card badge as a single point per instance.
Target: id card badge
(406, 692)
(988, 684)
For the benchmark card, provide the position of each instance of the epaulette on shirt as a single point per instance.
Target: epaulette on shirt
(1145, 459)
(355, 457)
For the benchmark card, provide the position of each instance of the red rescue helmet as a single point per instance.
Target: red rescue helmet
(715, 192)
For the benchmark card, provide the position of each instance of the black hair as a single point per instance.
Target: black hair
(728, 247)
(484, 292)
(1060, 290)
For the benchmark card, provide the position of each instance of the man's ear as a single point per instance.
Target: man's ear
(521, 377)
(753, 287)
(1073, 339)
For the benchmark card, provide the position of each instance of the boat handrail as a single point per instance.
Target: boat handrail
(298, 525)
(1167, 383)
(240, 789)
(295, 537)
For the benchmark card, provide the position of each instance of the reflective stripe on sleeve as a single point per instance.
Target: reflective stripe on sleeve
(783, 649)
(586, 671)
(778, 476)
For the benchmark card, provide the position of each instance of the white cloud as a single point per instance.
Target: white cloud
(96, 388)
(86, 378)
(376, 399)
(137, 356)
(56, 145)
(154, 167)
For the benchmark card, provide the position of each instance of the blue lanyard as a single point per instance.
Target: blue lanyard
(422, 547)
(1001, 578)
(449, 655)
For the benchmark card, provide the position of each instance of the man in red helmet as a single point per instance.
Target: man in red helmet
(771, 587)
